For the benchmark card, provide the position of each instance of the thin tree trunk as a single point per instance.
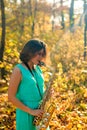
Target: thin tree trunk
(72, 16)
(53, 15)
(30, 8)
(2, 42)
(34, 19)
(22, 19)
(62, 16)
(85, 30)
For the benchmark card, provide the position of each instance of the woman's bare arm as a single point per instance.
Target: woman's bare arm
(12, 90)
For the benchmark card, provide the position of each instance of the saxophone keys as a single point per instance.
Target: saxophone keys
(43, 127)
(47, 114)
(45, 120)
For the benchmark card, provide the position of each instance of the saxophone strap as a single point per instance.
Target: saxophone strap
(33, 77)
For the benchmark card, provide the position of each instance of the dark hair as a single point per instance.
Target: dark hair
(31, 48)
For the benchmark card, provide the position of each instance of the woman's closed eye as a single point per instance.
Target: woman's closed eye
(40, 54)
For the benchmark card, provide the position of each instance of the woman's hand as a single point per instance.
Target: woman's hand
(36, 112)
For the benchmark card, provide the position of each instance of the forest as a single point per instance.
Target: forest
(62, 25)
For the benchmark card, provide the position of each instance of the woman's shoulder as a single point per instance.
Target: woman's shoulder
(18, 65)
(16, 71)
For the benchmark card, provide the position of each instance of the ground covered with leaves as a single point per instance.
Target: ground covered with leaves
(70, 97)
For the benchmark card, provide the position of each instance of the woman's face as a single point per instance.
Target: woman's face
(38, 57)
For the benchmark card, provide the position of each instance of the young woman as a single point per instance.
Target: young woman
(26, 86)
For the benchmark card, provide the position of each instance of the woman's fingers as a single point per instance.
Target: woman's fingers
(37, 112)
(40, 113)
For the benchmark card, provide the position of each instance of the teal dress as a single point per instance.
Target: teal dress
(29, 95)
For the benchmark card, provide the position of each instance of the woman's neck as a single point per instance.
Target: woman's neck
(31, 65)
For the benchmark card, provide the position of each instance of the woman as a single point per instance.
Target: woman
(26, 86)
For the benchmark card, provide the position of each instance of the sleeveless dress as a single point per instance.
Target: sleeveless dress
(29, 95)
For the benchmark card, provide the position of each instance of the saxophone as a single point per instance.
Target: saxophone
(43, 122)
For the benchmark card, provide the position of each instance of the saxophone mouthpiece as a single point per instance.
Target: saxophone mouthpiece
(41, 63)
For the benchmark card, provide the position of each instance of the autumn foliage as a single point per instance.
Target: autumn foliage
(64, 56)
(69, 84)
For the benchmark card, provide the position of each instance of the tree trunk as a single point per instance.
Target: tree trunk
(34, 19)
(85, 30)
(2, 42)
(30, 8)
(22, 19)
(72, 16)
(53, 15)
(62, 16)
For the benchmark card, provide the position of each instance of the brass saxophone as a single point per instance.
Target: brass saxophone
(43, 122)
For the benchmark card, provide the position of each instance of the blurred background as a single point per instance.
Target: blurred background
(62, 25)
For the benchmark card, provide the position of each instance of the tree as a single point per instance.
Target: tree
(72, 15)
(85, 29)
(53, 14)
(62, 16)
(22, 4)
(34, 18)
(2, 42)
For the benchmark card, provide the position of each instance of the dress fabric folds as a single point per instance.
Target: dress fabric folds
(29, 95)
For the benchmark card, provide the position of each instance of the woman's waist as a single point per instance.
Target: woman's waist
(28, 98)
(31, 103)
(24, 100)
